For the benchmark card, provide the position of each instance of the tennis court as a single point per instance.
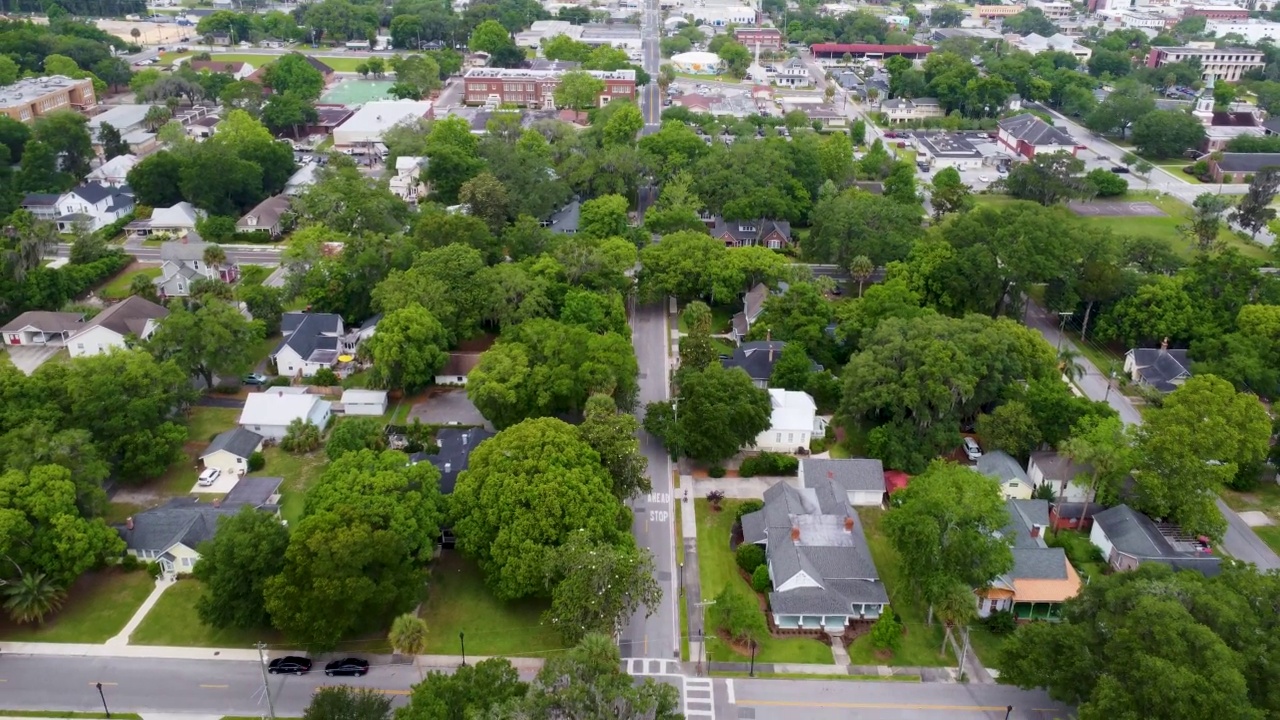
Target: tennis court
(358, 92)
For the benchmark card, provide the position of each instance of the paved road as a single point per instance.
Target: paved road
(655, 636)
(242, 254)
(651, 94)
(840, 700)
(1239, 540)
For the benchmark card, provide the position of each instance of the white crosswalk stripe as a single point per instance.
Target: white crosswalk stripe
(699, 699)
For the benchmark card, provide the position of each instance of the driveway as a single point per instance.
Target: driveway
(449, 408)
(29, 357)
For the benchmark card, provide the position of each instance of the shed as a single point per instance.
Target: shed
(364, 402)
(230, 451)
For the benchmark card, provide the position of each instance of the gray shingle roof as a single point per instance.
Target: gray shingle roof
(46, 321)
(1134, 534)
(1159, 368)
(129, 316)
(859, 474)
(759, 229)
(1034, 131)
(313, 336)
(237, 441)
(94, 192)
(1039, 563)
(755, 357)
(188, 521)
(456, 445)
(254, 492)
(1248, 162)
(1056, 466)
(1000, 465)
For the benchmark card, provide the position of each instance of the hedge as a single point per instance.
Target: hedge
(769, 463)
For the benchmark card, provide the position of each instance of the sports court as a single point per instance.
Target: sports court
(358, 92)
(1116, 209)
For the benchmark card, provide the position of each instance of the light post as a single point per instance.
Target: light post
(462, 640)
(104, 700)
(1110, 382)
(1007, 711)
(752, 671)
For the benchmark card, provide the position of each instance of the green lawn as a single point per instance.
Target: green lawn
(717, 569)
(721, 320)
(206, 422)
(118, 287)
(98, 606)
(458, 602)
(300, 472)
(173, 621)
(921, 643)
(341, 64)
(1270, 535)
(985, 645)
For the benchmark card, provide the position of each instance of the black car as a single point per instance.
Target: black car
(290, 664)
(347, 666)
(1120, 170)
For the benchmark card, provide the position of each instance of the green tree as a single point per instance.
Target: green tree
(486, 198)
(343, 702)
(857, 223)
(31, 597)
(294, 74)
(39, 170)
(488, 37)
(886, 633)
(470, 691)
(588, 682)
(948, 194)
(1255, 211)
(1105, 447)
(612, 435)
(598, 587)
(720, 411)
(603, 217)
(793, 369)
(408, 350)
(66, 132)
(354, 434)
(623, 124)
(578, 90)
(409, 635)
(1129, 102)
(1010, 427)
(524, 493)
(155, 179)
(39, 443)
(1158, 309)
(1104, 183)
(1048, 179)
(215, 339)
(301, 436)
(112, 144)
(234, 568)
(1167, 133)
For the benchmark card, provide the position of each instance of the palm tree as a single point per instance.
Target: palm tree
(409, 635)
(135, 34)
(955, 607)
(158, 115)
(1069, 364)
(215, 256)
(861, 269)
(31, 597)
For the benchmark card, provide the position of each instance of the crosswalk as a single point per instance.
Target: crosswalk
(697, 694)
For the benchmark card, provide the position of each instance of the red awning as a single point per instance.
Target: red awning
(869, 48)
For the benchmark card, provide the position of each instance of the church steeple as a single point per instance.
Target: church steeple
(1204, 103)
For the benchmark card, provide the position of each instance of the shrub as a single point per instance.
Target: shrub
(279, 382)
(153, 569)
(226, 389)
(130, 563)
(715, 471)
(749, 556)
(1105, 183)
(769, 463)
(1001, 622)
(737, 615)
(886, 633)
(748, 507)
(257, 461)
(715, 497)
(301, 437)
(760, 581)
(324, 377)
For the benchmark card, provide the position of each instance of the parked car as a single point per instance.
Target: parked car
(289, 665)
(984, 178)
(254, 379)
(208, 477)
(347, 666)
(1120, 170)
(971, 449)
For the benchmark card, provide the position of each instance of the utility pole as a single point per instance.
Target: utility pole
(266, 686)
(702, 632)
(1062, 326)
(964, 652)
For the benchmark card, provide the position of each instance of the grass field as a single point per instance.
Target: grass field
(459, 602)
(721, 320)
(205, 422)
(118, 287)
(300, 472)
(1265, 497)
(98, 606)
(341, 64)
(718, 569)
(174, 621)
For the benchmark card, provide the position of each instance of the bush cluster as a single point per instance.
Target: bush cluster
(749, 557)
(769, 463)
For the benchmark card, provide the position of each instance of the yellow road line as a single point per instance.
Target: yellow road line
(871, 706)
(215, 687)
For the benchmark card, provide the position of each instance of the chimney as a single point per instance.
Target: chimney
(1035, 531)
(448, 467)
(848, 524)
(795, 534)
(128, 523)
(1164, 344)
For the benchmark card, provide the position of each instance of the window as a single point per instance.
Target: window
(791, 437)
(80, 347)
(779, 439)
(186, 562)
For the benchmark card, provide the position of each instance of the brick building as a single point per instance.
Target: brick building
(1217, 12)
(536, 88)
(30, 98)
(766, 37)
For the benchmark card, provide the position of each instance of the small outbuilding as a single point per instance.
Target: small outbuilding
(364, 402)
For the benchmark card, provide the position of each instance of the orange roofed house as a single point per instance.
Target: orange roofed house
(1041, 579)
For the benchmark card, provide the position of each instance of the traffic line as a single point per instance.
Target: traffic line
(872, 706)
(380, 691)
(215, 687)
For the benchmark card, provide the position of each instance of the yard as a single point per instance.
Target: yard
(98, 605)
(206, 422)
(717, 569)
(1264, 498)
(300, 472)
(174, 621)
(721, 320)
(341, 64)
(117, 288)
(458, 602)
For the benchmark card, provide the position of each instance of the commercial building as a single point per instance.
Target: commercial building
(902, 110)
(988, 12)
(1027, 135)
(1223, 64)
(831, 52)
(1036, 44)
(766, 37)
(1054, 10)
(947, 150)
(1253, 31)
(536, 88)
(622, 35)
(30, 98)
(1217, 12)
(1237, 167)
(370, 122)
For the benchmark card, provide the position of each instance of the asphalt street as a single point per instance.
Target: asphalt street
(840, 700)
(239, 254)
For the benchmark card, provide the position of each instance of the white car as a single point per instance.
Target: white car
(208, 477)
(971, 449)
(984, 178)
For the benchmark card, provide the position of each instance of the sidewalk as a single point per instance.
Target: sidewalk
(122, 638)
(689, 578)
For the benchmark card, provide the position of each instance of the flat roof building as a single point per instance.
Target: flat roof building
(1220, 63)
(536, 88)
(370, 122)
(30, 98)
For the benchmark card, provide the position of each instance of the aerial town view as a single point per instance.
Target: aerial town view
(639, 360)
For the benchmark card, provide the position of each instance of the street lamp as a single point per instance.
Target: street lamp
(1007, 711)
(104, 700)
(752, 671)
(462, 640)
(1109, 384)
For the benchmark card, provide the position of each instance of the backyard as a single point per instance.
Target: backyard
(717, 569)
(98, 606)
(459, 602)
(300, 472)
(117, 288)
(174, 621)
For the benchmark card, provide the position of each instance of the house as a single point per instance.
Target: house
(230, 451)
(42, 206)
(792, 422)
(311, 341)
(269, 413)
(456, 445)
(113, 172)
(565, 220)
(271, 215)
(183, 263)
(93, 205)
(827, 116)
(861, 479)
(903, 109)
(238, 70)
(793, 74)
(1027, 135)
(1059, 472)
(1237, 167)
(1073, 515)
(172, 533)
(178, 220)
(823, 576)
(752, 306)
(203, 128)
(41, 327)
(457, 367)
(773, 234)
(1127, 538)
(364, 402)
(998, 464)
(757, 359)
(1041, 579)
(1159, 368)
(133, 317)
(406, 184)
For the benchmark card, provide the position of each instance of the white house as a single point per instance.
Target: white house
(94, 205)
(230, 451)
(183, 264)
(364, 402)
(178, 220)
(793, 423)
(269, 413)
(270, 215)
(133, 317)
(311, 341)
(406, 184)
(1060, 473)
(115, 171)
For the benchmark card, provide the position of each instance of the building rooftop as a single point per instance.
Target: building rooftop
(380, 116)
(237, 441)
(22, 92)
(527, 74)
(120, 117)
(947, 145)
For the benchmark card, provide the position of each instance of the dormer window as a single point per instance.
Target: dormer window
(746, 228)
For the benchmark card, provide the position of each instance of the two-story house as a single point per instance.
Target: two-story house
(270, 215)
(114, 172)
(133, 317)
(184, 263)
(311, 341)
(406, 184)
(92, 205)
(773, 234)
